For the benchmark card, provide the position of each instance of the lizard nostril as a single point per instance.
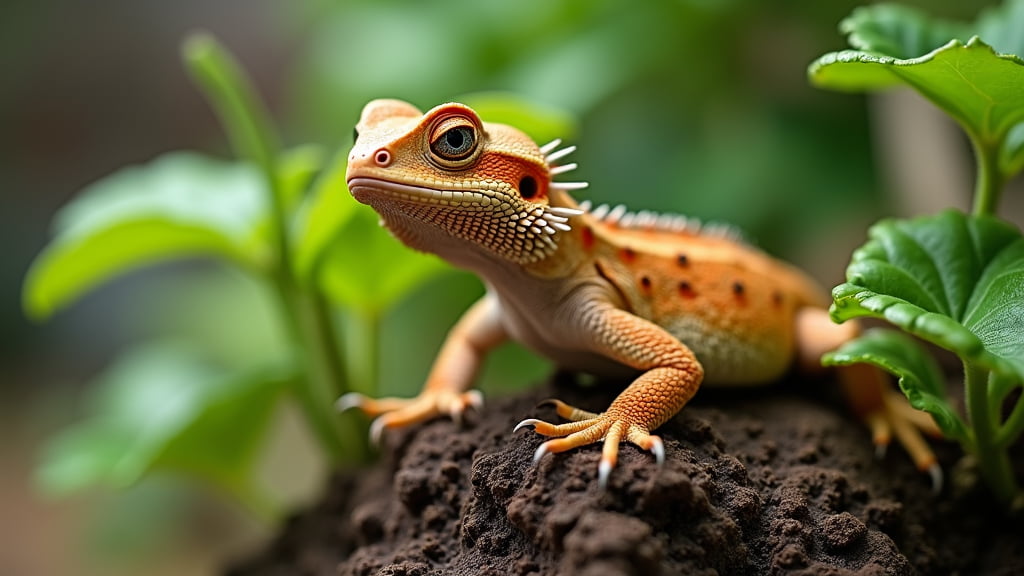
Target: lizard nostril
(382, 157)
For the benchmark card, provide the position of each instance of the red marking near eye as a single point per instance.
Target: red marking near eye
(627, 254)
(587, 236)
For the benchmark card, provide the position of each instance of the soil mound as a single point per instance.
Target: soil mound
(756, 481)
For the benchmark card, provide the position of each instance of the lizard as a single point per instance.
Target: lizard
(658, 298)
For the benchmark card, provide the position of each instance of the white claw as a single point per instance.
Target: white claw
(349, 401)
(475, 398)
(603, 471)
(524, 423)
(880, 451)
(377, 431)
(935, 471)
(541, 451)
(658, 449)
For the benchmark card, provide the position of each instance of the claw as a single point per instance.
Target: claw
(603, 471)
(524, 423)
(475, 398)
(541, 451)
(658, 449)
(935, 472)
(349, 401)
(377, 430)
(880, 451)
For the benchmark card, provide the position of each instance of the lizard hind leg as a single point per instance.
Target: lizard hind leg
(867, 389)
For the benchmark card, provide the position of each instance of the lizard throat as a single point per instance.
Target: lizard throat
(510, 228)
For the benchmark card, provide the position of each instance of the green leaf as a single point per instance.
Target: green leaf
(296, 169)
(977, 83)
(162, 408)
(951, 279)
(242, 113)
(179, 205)
(971, 82)
(541, 123)
(898, 31)
(919, 376)
(366, 268)
(322, 215)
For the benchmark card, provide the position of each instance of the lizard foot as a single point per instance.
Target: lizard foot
(588, 428)
(896, 417)
(400, 412)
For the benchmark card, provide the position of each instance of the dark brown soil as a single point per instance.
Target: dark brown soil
(772, 481)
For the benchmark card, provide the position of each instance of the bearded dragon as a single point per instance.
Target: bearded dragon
(595, 289)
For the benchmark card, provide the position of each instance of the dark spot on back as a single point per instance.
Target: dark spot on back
(682, 260)
(645, 282)
(777, 298)
(738, 288)
(686, 290)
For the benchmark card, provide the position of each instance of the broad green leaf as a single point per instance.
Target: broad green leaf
(919, 376)
(971, 82)
(951, 279)
(366, 268)
(541, 123)
(162, 408)
(179, 205)
(977, 83)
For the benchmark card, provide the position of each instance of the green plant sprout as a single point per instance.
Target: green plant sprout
(953, 279)
(285, 219)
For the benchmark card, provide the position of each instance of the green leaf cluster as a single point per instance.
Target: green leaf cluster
(972, 71)
(283, 218)
(953, 279)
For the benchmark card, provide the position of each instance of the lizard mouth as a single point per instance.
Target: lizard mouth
(364, 189)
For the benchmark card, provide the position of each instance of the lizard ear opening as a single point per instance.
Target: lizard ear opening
(528, 187)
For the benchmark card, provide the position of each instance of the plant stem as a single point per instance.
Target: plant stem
(363, 327)
(248, 126)
(989, 182)
(994, 462)
(1013, 427)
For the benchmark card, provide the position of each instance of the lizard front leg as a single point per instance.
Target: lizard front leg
(447, 390)
(670, 376)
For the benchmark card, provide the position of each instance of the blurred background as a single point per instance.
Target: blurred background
(693, 106)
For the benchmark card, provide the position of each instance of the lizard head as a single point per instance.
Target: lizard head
(448, 183)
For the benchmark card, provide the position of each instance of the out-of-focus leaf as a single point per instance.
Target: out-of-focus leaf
(179, 205)
(977, 83)
(951, 279)
(899, 31)
(296, 169)
(540, 122)
(366, 268)
(324, 212)
(162, 408)
(971, 82)
(919, 376)
(1011, 157)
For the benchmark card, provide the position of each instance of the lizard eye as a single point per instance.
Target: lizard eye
(453, 139)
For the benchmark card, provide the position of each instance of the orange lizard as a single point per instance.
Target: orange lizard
(598, 290)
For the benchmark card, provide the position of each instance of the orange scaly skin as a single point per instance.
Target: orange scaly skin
(599, 291)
